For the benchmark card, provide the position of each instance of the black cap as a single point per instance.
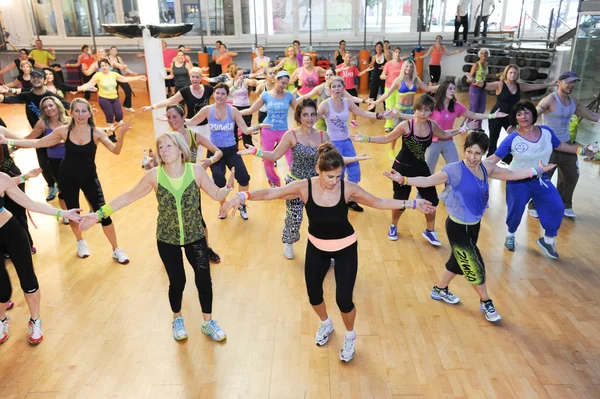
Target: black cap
(39, 72)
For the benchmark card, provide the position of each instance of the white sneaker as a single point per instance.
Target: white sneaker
(65, 221)
(35, 332)
(82, 249)
(179, 331)
(243, 212)
(570, 213)
(533, 213)
(322, 335)
(288, 251)
(130, 109)
(120, 256)
(347, 352)
(4, 330)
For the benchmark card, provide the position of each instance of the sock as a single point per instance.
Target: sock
(440, 288)
(326, 321)
(431, 231)
(350, 334)
(486, 301)
(511, 234)
(549, 240)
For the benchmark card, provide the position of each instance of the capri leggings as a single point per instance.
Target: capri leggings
(403, 192)
(54, 170)
(435, 71)
(13, 239)
(230, 159)
(246, 138)
(87, 182)
(465, 258)
(317, 265)
(19, 213)
(197, 254)
(112, 109)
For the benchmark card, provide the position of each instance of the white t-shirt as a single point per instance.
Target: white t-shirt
(487, 8)
(526, 154)
(261, 62)
(463, 7)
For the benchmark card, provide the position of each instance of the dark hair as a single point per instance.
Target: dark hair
(520, 106)
(386, 41)
(329, 157)
(424, 102)
(306, 103)
(379, 42)
(296, 41)
(440, 36)
(342, 41)
(84, 47)
(112, 47)
(218, 41)
(181, 51)
(50, 70)
(440, 96)
(103, 60)
(24, 50)
(222, 86)
(398, 48)
(479, 138)
(180, 46)
(262, 47)
(177, 108)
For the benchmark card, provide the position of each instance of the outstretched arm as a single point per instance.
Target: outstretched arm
(421, 181)
(496, 172)
(47, 141)
(174, 99)
(398, 131)
(360, 195)
(583, 112)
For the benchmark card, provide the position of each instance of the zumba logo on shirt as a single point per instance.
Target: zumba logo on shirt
(310, 82)
(222, 127)
(521, 147)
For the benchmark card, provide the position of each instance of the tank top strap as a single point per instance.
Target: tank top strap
(92, 135)
(321, 135)
(411, 126)
(192, 138)
(342, 196)
(485, 173)
(68, 133)
(229, 112)
(309, 199)
(295, 138)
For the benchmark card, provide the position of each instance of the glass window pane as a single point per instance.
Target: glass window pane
(166, 10)
(103, 12)
(374, 15)
(339, 16)
(317, 16)
(252, 16)
(220, 15)
(397, 16)
(433, 15)
(586, 58)
(45, 18)
(280, 14)
(190, 12)
(131, 12)
(75, 16)
(495, 16)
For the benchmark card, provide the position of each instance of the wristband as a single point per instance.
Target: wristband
(11, 143)
(58, 215)
(491, 116)
(580, 150)
(463, 129)
(228, 188)
(539, 170)
(244, 195)
(213, 160)
(105, 211)
(403, 207)
(414, 203)
(22, 179)
(365, 139)
(532, 172)
(258, 153)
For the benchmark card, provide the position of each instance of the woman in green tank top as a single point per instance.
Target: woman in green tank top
(289, 63)
(176, 182)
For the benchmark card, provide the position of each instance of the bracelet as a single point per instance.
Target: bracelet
(257, 152)
(244, 195)
(580, 150)
(379, 115)
(212, 160)
(532, 172)
(403, 207)
(414, 202)
(404, 181)
(365, 139)
(58, 215)
(11, 143)
(105, 211)
(491, 116)
(463, 129)
(228, 188)
(22, 179)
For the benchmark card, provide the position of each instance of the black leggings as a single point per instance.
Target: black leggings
(496, 126)
(89, 184)
(261, 116)
(197, 254)
(42, 156)
(403, 192)
(55, 169)
(246, 138)
(15, 242)
(128, 93)
(316, 266)
(230, 159)
(435, 71)
(19, 213)
(465, 258)
(377, 84)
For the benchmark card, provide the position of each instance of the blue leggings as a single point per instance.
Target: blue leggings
(547, 202)
(346, 148)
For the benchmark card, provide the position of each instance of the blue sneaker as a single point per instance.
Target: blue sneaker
(509, 243)
(393, 233)
(179, 331)
(212, 329)
(432, 237)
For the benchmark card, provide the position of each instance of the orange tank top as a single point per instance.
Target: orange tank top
(436, 56)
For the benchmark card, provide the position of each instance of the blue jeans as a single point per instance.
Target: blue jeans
(346, 148)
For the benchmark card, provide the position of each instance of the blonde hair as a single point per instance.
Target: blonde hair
(195, 70)
(413, 74)
(62, 117)
(177, 139)
(335, 79)
(91, 120)
(26, 62)
(508, 68)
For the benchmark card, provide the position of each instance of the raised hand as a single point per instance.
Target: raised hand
(546, 168)
(33, 173)
(162, 118)
(72, 214)
(499, 114)
(127, 125)
(473, 125)
(147, 108)
(87, 221)
(425, 206)
(4, 89)
(362, 157)
(249, 151)
(358, 137)
(231, 204)
(390, 113)
(393, 175)
(143, 78)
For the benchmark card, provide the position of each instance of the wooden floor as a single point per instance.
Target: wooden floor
(107, 327)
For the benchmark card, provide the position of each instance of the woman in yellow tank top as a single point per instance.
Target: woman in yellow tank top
(289, 63)
(108, 98)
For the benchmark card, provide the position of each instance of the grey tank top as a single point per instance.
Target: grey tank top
(559, 120)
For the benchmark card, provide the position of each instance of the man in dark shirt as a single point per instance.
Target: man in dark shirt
(32, 100)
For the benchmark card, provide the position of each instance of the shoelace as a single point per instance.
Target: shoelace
(36, 329)
(213, 327)
(489, 307)
(348, 344)
(179, 324)
(323, 329)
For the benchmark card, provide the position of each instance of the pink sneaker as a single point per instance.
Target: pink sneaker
(10, 305)
(353, 123)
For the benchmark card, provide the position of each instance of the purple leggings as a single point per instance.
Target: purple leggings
(476, 102)
(112, 109)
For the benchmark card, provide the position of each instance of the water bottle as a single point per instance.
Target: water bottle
(594, 148)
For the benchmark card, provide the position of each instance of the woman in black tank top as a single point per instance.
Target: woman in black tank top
(377, 62)
(78, 168)
(332, 239)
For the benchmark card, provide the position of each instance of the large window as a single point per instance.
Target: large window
(317, 9)
(103, 12)
(44, 18)
(193, 12)
(166, 10)
(220, 15)
(131, 12)
(374, 15)
(280, 16)
(75, 15)
(253, 17)
(397, 16)
(339, 16)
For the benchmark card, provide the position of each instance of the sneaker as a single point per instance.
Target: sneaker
(547, 248)
(355, 207)
(347, 352)
(35, 332)
(130, 109)
(570, 213)
(33, 250)
(393, 233)
(444, 294)
(179, 331)
(243, 212)
(82, 249)
(212, 329)
(322, 335)
(432, 237)
(533, 213)
(509, 243)
(489, 311)
(113, 138)
(10, 305)
(52, 191)
(65, 221)
(392, 155)
(388, 129)
(288, 251)
(4, 330)
(120, 256)
(353, 123)
(213, 256)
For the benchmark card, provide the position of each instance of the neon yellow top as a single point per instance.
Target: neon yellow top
(107, 85)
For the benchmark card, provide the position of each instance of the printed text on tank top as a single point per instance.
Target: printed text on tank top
(309, 80)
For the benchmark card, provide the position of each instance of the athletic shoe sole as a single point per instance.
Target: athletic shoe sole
(434, 243)
(325, 339)
(543, 248)
(441, 298)
(346, 360)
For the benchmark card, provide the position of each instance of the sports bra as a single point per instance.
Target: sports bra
(404, 90)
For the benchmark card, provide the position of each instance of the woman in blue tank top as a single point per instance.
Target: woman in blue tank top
(221, 121)
(466, 196)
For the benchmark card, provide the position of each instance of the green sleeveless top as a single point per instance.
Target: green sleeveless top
(290, 68)
(179, 214)
(481, 73)
(193, 146)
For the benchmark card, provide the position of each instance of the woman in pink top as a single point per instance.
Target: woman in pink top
(436, 51)
(349, 72)
(445, 111)
(391, 70)
(241, 100)
(307, 75)
(225, 57)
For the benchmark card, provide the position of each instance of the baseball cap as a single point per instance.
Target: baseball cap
(568, 76)
(282, 74)
(38, 72)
